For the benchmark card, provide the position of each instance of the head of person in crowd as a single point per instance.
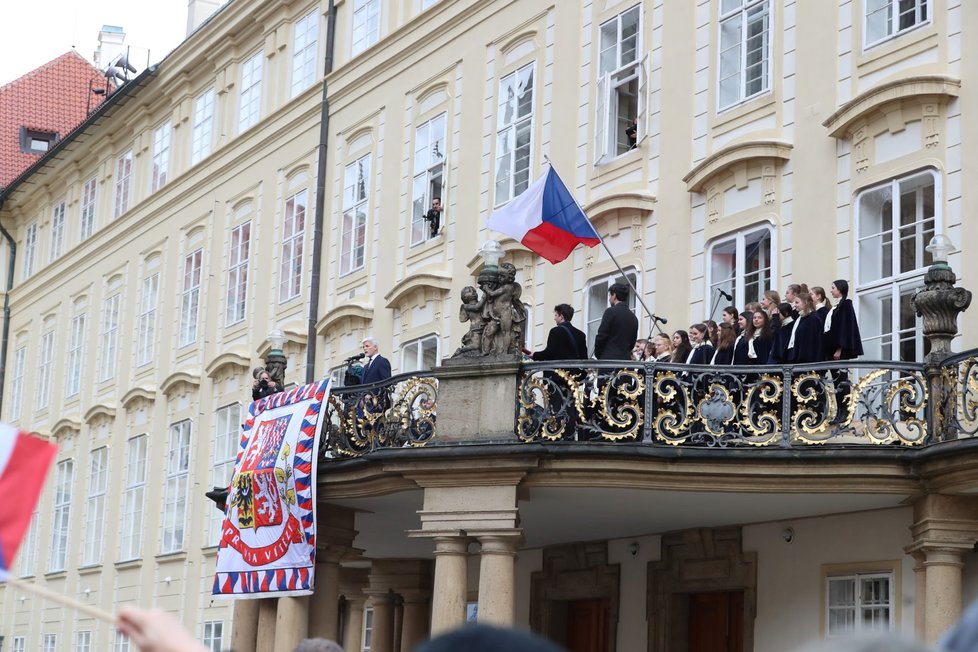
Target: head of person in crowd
(760, 322)
(617, 293)
(729, 316)
(697, 334)
(712, 331)
(563, 313)
(317, 645)
(804, 304)
(662, 344)
(679, 338)
(370, 346)
(649, 351)
(770, 301)
(638, 351)
(840, 289)
(727, 336)
(794, 290)
(680, 346)
(818, 296)
(485, 638)
(744, 323)
(753, 307)
(787, 311)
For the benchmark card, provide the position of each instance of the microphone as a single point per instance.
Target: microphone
(359, 356)
(659, 319)
(726, 296)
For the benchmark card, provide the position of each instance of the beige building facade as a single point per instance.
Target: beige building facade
(775, 142)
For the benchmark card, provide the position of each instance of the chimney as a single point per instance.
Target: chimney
(110, 44)
(199, 11)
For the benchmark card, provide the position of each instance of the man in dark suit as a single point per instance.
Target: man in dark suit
(565, 342)
(375, 367)
(619, 327)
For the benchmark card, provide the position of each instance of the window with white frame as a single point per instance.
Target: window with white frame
(83, 642)
(304, 41)
(190, 297)
(121, 643)
(249, 103)
(123, 183)
(212, 636)
(429, 174)
(30, 249)
(238, 256)
(161, 155)
(745, 50)
(177, 478)
(741, 264)
(98, 478)
(368, 629)
(88, 208)
(202, 132)
(131, 534)
(44, 369)
(50, 643)
(514, 133)
(76, 355)
(109, 337)
(621, 88)
(62, 516)
(420, 355)
(28, 549)
(227, 439)
(366, 24)
(895, 222)
(57, 231)
(428, 3)
(293, 236)
(18, 644)
(860, 603)
(17, 382)
(597, 300)
(887, 18)
(353, 237)
(146, 337)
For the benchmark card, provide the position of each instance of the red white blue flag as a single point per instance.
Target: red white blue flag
(24, 464)
(546, 219)
(268, 540)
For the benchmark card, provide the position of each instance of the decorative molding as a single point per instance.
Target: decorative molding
(697, 179)
(436, 280)
(66, 423)
(178, 377)
(921, 87)
(236, 359)
(100, 409)
(354, 311)
(146, 393)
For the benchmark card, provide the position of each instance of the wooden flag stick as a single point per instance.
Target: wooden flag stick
(48, 594)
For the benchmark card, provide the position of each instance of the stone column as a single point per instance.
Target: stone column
(244, 635)
(383, 624)
(266, 625)
(353, 633)
(291, 622)
(450, 584)
(942, 568)
(920, 593)
(497, 578)
(325, 601)
(416, 617)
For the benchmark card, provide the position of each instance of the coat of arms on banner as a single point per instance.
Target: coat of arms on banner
(268, 540)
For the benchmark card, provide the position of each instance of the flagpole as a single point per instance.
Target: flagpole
(62, 599)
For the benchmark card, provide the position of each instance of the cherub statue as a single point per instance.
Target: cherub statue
(503, 312)
(471, 311)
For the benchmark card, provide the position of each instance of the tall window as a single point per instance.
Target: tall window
(28, 549)
(429, 174)
(368, 629)
(30, 249)
(293, 234)
(177, 476)
(76, 355)
(213, 636)
(366, 24)
(356, 187)
(62, 516)
(886, 18)
(238, 274)
(98, 472)
(88, 208)
(514, 133)
(202, 136)
(304, 52)
(190, 297)
(859, 604)
(249, 107)
(741, 265)
(123, 183)
(130, 537)
(597, 301)
(83, 642)
(44, 364)
(622, 75)
(18, 644)
(57, 231)
(17, 382)
(109, 337)
(50, 643)
(161, 155)
(420, 355)
(227, 437)
(147, 319)
(745, 50)
(895, 221)
(121, 643)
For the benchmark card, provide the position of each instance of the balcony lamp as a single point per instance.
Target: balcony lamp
(492, 253)
(940, 247)
(276, 339)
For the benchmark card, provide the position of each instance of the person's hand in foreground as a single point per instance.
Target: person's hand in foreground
(154, 630)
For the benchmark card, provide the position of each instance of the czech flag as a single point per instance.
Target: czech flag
(24, 464)
(546, 219)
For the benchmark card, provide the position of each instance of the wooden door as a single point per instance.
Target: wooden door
(588, 625)
(716, 622)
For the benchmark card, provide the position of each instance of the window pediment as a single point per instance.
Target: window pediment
(66, 428)
(722, 160)
(354, 312)
(100, 410)
(421, 285)
(229, 359)
(618, 211)
(145, 394)
(294, 334)
(178, 378)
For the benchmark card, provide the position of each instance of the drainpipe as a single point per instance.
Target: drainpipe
(317, 229)
(6, 305)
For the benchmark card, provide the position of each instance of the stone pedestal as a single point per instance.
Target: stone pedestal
(477, 400)
(244, 635)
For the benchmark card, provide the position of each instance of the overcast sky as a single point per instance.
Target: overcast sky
(32, 32)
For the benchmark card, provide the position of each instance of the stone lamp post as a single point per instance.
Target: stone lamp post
(276, 362)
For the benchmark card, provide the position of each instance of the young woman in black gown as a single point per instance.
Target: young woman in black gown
(842, 341)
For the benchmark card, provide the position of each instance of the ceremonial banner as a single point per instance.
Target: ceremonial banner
(268, 541)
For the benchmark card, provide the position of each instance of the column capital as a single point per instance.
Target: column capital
(502, 542)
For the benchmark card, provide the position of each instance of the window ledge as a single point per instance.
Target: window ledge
(90, 569)
(613, 166)
(179, 555)
(421, 249)
(55, 575)
(129, 563)
(744, 112)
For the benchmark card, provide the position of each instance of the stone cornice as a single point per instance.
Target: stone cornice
(100, 409)
(866, 103)
(146, 393)
(236, 359)
(178, 377)
(438, 280)
(361, 311)
(732, 154)
(640, 201)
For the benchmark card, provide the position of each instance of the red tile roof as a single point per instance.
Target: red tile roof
(52, 98)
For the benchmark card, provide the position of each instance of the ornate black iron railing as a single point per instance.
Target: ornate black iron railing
(956, 413)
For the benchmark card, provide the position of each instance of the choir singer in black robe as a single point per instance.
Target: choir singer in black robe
(842, 341)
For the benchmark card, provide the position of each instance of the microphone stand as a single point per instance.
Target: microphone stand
(716, 303)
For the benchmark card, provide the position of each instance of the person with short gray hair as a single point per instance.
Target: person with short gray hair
(317, 645)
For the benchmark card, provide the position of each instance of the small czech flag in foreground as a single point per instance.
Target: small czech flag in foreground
(24, 464)
(546, 219)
